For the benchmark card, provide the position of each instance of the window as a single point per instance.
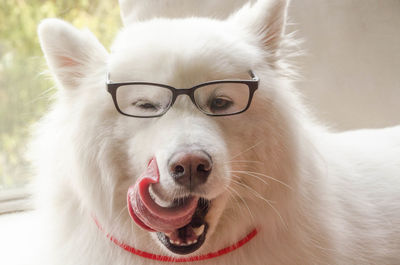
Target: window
(25, 93)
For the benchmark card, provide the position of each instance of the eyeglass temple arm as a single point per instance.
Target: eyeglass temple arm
(253, 75)
(108, 80)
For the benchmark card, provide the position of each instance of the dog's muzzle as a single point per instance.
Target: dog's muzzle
(181, 227)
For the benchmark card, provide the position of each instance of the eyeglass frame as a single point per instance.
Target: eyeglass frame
(251, 84)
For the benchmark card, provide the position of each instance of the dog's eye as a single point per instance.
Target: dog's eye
(146, 106)
(220, 103)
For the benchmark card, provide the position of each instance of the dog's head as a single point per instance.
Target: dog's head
(165, 102)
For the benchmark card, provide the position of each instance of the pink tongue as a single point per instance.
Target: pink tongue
(151, 216)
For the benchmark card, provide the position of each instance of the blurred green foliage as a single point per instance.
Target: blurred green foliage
(25, 94)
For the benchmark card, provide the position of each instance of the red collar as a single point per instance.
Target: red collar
(210, 255)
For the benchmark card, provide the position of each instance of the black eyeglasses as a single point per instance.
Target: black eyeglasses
(214, 98)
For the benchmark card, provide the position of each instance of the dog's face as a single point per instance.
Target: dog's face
(195, 153)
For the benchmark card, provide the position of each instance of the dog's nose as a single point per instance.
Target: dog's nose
(190, 169)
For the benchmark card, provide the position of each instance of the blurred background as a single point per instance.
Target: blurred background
(25, 92)
(351, 69)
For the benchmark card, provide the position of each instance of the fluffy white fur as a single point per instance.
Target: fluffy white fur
(316, 197)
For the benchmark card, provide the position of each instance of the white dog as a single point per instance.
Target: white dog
(215, 176)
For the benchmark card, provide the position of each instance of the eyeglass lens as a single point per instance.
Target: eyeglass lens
(143, 100)
(222, 98)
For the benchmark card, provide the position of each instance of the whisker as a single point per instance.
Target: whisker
(258, 195)
(117, 218)
(256, 175)
(244, 202)
(243, 161)
(249, 188)
(232, 196)
(248, 149)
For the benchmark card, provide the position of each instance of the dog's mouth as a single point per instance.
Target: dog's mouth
(181, 228)
(190, 237)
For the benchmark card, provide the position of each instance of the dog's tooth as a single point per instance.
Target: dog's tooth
(199, 231)
(190, 242)
(177, 242)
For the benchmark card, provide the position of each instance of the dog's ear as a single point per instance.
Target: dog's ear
(70, 53)
(267, 20)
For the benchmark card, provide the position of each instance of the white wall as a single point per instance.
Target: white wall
(352, 70)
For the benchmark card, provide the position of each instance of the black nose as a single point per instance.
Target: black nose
(190, 169)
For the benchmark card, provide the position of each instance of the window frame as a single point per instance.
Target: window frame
(15, 200)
